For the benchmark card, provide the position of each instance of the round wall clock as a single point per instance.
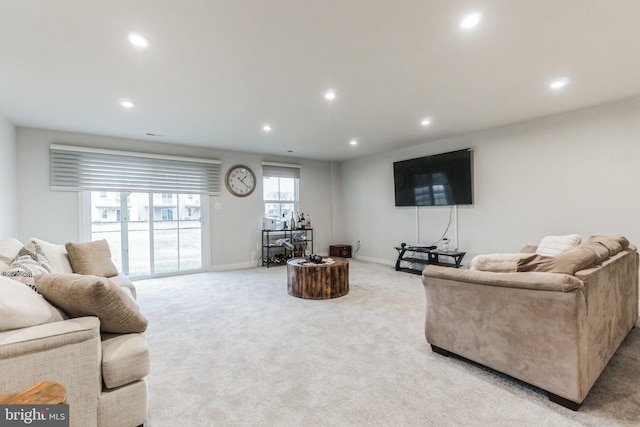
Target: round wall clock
(240, 180)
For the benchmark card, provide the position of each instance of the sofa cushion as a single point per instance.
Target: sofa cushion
(125, 359)
(56, 254)
(9, 249)
(567, 262)
(92, 258)
(124, 282)
(85, 295)
(124, 406)
(29, 262)
(21, 307)
(554, 245)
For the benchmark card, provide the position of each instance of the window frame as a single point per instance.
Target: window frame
(295, 201)
(85, 233)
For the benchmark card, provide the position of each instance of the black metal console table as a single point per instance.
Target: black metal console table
(419, 256)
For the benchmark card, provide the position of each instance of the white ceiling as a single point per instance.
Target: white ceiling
(217, 70)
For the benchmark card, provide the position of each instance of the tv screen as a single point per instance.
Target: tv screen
(438, 180)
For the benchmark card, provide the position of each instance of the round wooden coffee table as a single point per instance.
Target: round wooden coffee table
(318, 281)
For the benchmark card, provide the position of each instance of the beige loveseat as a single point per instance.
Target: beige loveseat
(103, 372)
(555, 322)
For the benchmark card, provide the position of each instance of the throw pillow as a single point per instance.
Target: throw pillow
(529, 249)
(84, 295)
(613, 245)
(93, 258)
(567, 262)
(56, 254)
(601, 252)
(28, 263)
(9, 248)
(21, 307)
(554, 245)
(498, 263)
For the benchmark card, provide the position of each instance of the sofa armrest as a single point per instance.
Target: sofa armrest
(526, 280)
(527, 325)
(66, 352)
(123, 281)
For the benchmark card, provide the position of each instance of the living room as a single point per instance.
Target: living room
(570, 173)
(570, 168)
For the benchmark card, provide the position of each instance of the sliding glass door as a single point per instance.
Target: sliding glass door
(177, 232)
(150, 234)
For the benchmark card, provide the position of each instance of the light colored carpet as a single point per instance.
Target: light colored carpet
(234, 349)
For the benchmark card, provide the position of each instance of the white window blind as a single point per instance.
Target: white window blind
(280, 170)
(81, 168)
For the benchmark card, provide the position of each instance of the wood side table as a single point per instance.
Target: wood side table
(318, 281)
(44, 393)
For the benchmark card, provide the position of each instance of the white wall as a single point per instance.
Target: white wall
(235, 237)
(8, 191)
(570, 173)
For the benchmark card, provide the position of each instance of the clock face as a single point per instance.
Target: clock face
(240, 181)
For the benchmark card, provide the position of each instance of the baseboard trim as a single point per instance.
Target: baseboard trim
(227, 267)
(377, 260)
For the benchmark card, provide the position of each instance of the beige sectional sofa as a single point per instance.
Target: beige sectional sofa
(553, 321)
(90, 341)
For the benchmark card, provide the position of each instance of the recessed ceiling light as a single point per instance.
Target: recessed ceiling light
(330, 94)
(471, 20)
(137, 40)
(354, 142)
(126, 103)
(426, 121)
(560, 83)
(266, 127)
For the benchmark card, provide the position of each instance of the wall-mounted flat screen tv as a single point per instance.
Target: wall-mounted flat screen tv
(438, 180)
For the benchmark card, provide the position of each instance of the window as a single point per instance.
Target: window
(280, 191)
(150, 240)
(136, 202)
(280, 198)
